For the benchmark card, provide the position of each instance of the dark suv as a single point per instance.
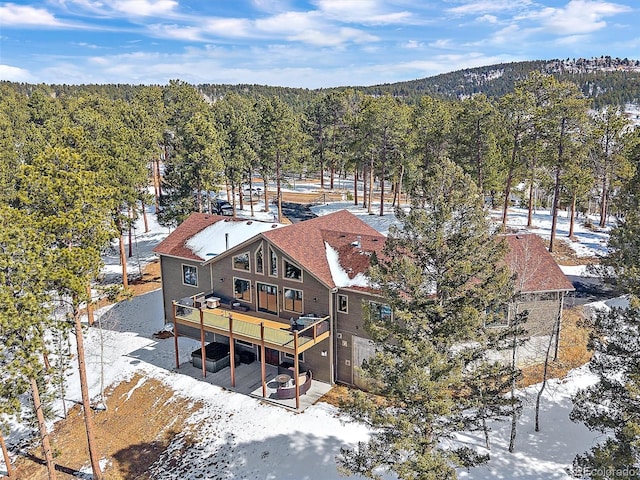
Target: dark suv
(222, 207)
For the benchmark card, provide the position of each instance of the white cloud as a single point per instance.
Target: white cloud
(177, 32)
(144, 8)
(487, 19)
(228, 27)
(362, 11)
(15, 74)
(579, 16)
(23, 15)
(411, 44)
(488, 6)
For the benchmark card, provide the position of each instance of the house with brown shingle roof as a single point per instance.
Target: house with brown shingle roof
(295, 295)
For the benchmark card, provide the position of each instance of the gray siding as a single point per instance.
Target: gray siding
(173, 288)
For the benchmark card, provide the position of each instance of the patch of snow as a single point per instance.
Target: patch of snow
(212, 240)
(339, 275)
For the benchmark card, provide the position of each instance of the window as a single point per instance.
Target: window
(241, 262)
(343, 304)
(292, 300)
(288, 356)
(379, 311)
(267, 298)
(291, 271)
(190, 275)
(242, 289)
(273, 263)
(259, 260)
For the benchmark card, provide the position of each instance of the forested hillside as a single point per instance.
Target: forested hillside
(605, 80)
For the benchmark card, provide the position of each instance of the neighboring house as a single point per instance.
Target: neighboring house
(540, 288)
(293, 295)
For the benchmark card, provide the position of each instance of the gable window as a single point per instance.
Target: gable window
(259, 260)
(291, 271)
(292, 300)
(190, 275)
(343, 304)
(267, 298)
(242, 289)
(241, 262)
(379, 311)
(273, 263)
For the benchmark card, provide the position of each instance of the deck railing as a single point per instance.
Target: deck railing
(244, 326)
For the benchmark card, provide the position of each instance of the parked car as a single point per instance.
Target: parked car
(252, 192)
(222, 207)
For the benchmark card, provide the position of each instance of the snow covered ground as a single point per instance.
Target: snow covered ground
(273, 443)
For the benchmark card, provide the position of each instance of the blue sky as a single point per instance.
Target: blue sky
(311, 44)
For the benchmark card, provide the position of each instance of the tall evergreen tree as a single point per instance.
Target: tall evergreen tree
(439, 276)
(281, 143)
(73, 210)
(611, 405)
(25, 260)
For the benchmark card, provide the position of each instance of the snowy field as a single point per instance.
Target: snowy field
(274, 443)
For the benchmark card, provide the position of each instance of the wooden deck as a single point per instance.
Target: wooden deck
(245, 327)
(259, 331)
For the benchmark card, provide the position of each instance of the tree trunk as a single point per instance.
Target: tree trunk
(233, 196)
(554, 209)
(86, 406)
(251, 192)
(544, 376)
(42, 426)
(266, 196)
(355, 186)
(123, 258)
(90, 315)
(130, 216)
(370, 199)
(278, 191)
(382, 191)
(572, 215)
(332, 174)
(365, 178)
(604, 200)
(7, 459)
(143, 207)
(531, 194)
(240, 196)
(507, 193)
(514, 409)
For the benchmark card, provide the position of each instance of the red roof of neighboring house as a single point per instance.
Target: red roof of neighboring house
(304, 242)
(536, 269)
(174, 244)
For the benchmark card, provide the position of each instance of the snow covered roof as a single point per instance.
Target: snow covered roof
(202, 236)
(221, 236)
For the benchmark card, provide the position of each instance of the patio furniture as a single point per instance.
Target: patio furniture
(289, 391)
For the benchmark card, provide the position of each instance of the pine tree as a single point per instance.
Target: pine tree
(611, 405)
(439, 275)
(25, 260)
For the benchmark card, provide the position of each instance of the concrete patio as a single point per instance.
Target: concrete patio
(248, 382)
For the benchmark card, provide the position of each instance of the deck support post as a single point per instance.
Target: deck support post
(203, 351)
(232, 353)
(263, 367)
(175, 335)
(296, 369)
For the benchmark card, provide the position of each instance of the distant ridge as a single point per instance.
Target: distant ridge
(609, 81)
(606, 80)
